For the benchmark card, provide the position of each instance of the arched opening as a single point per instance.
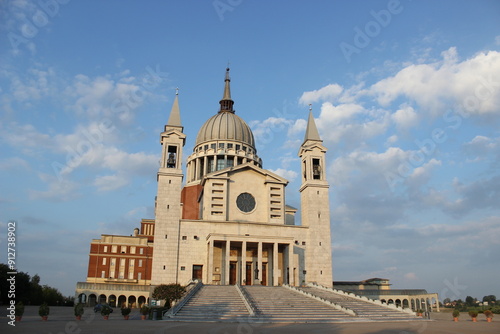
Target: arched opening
(92, 300)
(406, 303)
(383, 301)
(390, 301)
(122, 301)
(132, 302)
(112, 300)
(398, 302)
(141, 301)
(82, 298)
(102, 299)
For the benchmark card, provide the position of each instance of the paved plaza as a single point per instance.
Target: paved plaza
(61, 320)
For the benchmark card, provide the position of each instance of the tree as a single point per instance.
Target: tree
(446, 301)
(469, 301)
(168, 292)
(491, 299)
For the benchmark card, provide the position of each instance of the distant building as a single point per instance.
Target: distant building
(119, 270)
(379, 288)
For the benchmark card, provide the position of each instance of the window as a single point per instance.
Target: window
(238, 147)
(130, 275)
(140, 263)
(229, 145)
(316, 169)
(221, 145)
(122, 262)
(131, 263)
(184, 237)
(123, 249)
(114, 249)
(205, 147)
(183, 268)
(141, 250)
(303, 243)
(132, 249)
(105, 249)
(103, 274)
(103, 261)
(221, 164)
(139, 275)
(213, 146)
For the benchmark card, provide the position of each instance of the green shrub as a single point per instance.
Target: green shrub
(473, 313)
(79, 310)
(456, 313)
(19, 309)
(44, 310)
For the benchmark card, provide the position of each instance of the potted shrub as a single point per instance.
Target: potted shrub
(79, 310)
(456, 314)
(420, 312)
(19, 311)
(126, 312)
(473, 315)
(488, 314)
(105, 311)
(44, 311)
(144, 311)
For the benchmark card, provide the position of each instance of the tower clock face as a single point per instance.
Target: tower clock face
(245, 202)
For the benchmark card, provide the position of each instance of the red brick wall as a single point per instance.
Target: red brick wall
(189, 198)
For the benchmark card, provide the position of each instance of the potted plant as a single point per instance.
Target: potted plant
(144, 311)
(473, 315)
(19, 311)
(126, 312)
(105, 311)
(79, 310)
(488, 314)
(420, 312)
(456, 314)
(44, 311)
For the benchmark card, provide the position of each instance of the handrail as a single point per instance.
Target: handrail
(329, 303)
(245, 298)
(363, 298)
(173, 311)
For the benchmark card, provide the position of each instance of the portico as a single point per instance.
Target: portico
(250, 260)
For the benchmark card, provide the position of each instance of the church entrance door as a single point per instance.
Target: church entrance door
(232, 272)
(264, 273)
(248, 270)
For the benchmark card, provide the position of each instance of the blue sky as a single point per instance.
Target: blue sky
(405, 95)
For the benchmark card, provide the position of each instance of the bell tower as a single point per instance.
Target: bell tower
(168, 200)
(315, 207)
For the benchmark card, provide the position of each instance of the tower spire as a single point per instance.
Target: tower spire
(226, 104)
(311, 130)
(175, 114)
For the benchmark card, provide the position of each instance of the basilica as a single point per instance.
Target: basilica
(222, 219)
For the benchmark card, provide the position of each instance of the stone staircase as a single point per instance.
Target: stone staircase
(278, 304)
(213, 303)
(363, 309)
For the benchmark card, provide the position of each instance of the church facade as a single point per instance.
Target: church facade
(225, 220)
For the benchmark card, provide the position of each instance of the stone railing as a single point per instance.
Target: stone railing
(363, 298)
(329, 303)
(176, 308)
(252, 310)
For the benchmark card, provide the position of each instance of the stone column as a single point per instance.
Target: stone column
(259, 261)
(275, 264)
(243, 263)
(210, 262)
(290, 265)
(226, 262)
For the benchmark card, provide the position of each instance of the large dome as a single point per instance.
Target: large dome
(226, 126)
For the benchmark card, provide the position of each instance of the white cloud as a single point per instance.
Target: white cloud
(288, 174)
(110, 182)
(327, 93)
(60, 190)
(470, 84)
(405, 117)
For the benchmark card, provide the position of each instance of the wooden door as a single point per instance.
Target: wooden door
(232, 272)
(197, 272)
(264, 273)
(248, 273)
